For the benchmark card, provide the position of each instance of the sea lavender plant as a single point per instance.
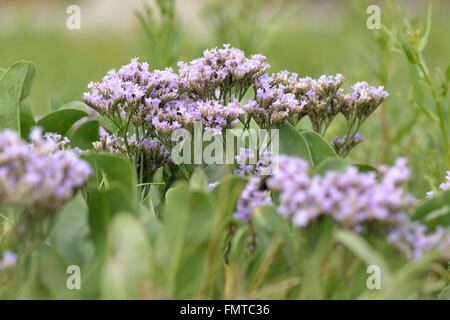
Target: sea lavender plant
(359, 105)
(8, 261)
(150, 153)
(444, 186)
(251, 162)
(221, 73)
(343, 145)
(413, 239)
(272, 104)
(41, 176)
(146, 105)
(254, 195)
(350, 197)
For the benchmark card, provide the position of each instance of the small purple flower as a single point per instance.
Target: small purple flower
(41, 175)
(252, 196)
(8, 261)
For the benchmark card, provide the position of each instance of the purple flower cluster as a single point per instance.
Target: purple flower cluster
(343, 145)
(350, 197)
(39, 175)
(152, 153)
(210, 89)
(272, 103)
(286, 97)
(252, 196)
(283, 96)
(221, 71)
(121, 92)
(250, 164)
(444, 186)
(216, 117)
(323, 99)
(363, 100)
(8, 261)
(412, 238)
(60, 141)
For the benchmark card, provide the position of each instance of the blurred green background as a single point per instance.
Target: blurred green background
(307, 37)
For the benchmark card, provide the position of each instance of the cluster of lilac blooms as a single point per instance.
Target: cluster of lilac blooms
(149, 151)
(343, 145)
(272, 103)
(41, 175)
(350, 197)
(254, 162)
(210, 90)
(163, 101)
(413, 239)
(318, 98)
(221, 73)
(8, 261)
(61, 142)
(444, 186)
(254, 195)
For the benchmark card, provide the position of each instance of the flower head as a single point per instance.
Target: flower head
(40, 175)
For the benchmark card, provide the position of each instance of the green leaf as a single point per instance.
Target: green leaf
(412, 58)
(229, 188)
(435, 210)
(83, 136)
(292, 143)
(150, 221)
(47, 277)
(306, 144)
(365, 167)
(423, 41)
(2, 71)
(26, 119)
(364, 251)
(447, 73)
(445, 294)
(184, 240)
(53, 276)
(61, 121)
(70, 232)
(103, 205)
(419, 93)
(111, 189)
(330, 165)
(79, 105)
(198, 180)
(111, 168)
(15, 85)
(319, 148)
(157, 191)
(268, 222)
(239, 245)
(127, 267)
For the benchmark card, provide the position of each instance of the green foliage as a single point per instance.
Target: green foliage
(435, 211)
(245, 23)
(412, 40)
(83, 136)
(125, 272)
(307, 145)
(162, 30)
(60, 121)
(15, 85)
(182, 246)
